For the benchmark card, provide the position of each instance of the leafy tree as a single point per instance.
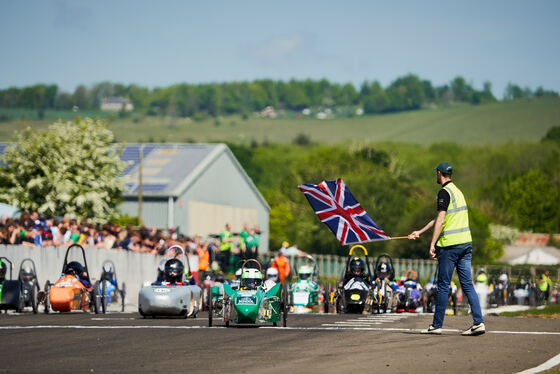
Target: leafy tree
(69, 169)
(462, 91)
(534, 202)
(553, 134)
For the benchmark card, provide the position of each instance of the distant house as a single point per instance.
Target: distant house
(531, 249)
(116, 104)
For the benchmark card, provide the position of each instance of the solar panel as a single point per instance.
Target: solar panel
(151, 187)
(131, 153)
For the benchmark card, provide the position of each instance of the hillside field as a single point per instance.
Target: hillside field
(519, 120)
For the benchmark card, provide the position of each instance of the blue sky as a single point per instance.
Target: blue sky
(159, 43)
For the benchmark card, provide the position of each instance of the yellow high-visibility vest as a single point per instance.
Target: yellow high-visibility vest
(456, 223)
(225, 246)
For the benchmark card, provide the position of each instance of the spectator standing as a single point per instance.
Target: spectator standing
(203, 261)
(226, 246)
(281, 264)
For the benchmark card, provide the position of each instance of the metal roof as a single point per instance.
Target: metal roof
(169, 169)
(164, 166)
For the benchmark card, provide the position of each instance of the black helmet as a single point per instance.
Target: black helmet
(27, 274)
(220, 278)
(3, 269)
(107, 272)
(74, 268)
(174, 270)
(383, 269)
(357, 266)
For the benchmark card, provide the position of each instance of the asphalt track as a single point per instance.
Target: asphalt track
(126, 343)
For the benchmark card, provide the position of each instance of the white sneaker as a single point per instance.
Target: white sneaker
(475, 330)
(432, 330)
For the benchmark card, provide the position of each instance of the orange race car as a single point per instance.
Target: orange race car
(74, 290)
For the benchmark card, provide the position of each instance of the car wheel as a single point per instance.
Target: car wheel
(285, 310)
(210, 309)
(103, 297)
(326, 298)
(95, 298)
(47, 302)
(123, 296)
(35, 297)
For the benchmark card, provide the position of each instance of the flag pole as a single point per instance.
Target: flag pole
(398, 237)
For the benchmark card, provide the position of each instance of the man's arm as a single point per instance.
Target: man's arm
(437, 231)
(416, 234)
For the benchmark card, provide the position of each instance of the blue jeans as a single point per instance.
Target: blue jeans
(455, 256)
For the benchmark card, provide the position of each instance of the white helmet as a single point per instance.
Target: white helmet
(272, 274)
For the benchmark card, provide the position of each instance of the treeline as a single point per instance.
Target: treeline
(191, 100)
(514, 185)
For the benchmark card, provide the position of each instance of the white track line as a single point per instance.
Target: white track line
(390, 329)
(554, 361)
(113, 319)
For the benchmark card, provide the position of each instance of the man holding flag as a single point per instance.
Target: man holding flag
(451, 245)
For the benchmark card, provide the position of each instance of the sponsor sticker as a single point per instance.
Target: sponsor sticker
(162, 290)
(246, 300)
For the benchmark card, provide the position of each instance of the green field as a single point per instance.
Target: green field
(519, 120)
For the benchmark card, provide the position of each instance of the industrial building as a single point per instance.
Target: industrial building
(195, 188)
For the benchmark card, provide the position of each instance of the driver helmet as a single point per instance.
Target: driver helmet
(108, 271)
(27, 274)
(74, 268)
(383, 269)
(238, 274)
(503, 278)
(357, 267)
(174, 270)
(3, 269)
(272, 274)
(305, 272)
(251, 279)
(219, 278)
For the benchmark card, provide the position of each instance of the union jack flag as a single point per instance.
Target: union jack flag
(337, 208)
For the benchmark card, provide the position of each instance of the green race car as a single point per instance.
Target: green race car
(306, 294)
(252, 303)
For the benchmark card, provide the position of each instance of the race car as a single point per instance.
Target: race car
(30, 284)
(12, 296)
(383, 299)
(73, 291)
(355, 292)
(175, 294)
(306, 294)
(251, 303)
(110, 292)
(409, 297)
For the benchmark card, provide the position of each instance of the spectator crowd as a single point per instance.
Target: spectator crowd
(217, 252)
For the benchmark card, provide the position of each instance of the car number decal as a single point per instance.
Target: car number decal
(162, 290)
(246, 300)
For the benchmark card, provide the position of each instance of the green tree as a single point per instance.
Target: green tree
(553, 134)
(534, 202)
(69, 169)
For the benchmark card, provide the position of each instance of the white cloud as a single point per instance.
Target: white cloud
(279, 48)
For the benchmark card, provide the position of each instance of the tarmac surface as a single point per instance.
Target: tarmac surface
(81, 342)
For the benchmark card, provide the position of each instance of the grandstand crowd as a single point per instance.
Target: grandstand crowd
(31, 229)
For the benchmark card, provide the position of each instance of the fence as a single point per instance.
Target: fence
(332, 266)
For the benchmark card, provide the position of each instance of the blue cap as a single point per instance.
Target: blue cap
(445, 168)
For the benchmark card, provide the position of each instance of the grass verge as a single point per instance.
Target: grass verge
(549, 311)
